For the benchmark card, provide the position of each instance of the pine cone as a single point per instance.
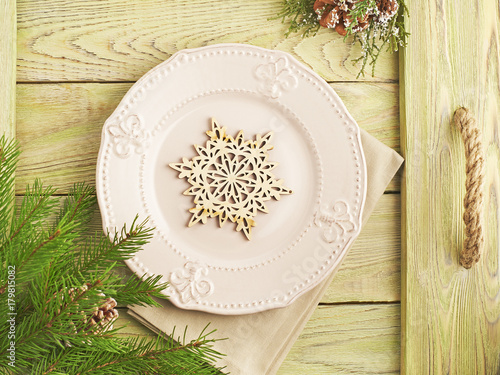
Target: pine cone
(328, 15)
(334, 14)
(387, 9)
(103, 315)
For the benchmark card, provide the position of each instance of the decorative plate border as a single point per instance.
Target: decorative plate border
(137, 94)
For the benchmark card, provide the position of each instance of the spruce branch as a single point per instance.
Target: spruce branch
(36, 205)
(62, 278)
(32, 246)
(145, 290)
(60, 314)
(141, 354)
(79, 206)
(9, 155)
(137, 356)
(99, 251)
(35, 253)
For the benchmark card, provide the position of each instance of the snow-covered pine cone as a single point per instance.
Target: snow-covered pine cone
(387, 9)
(334, 14)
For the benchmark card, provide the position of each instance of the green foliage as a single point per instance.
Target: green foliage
(377, 37)
(161, 356)
(301, 17)
(9, 154)
(53, 274)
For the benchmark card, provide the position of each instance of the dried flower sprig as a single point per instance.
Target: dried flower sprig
(374, 24)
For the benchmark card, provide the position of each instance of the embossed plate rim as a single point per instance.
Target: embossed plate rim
(322, 219)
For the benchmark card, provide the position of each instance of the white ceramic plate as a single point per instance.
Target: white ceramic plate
(316, 142)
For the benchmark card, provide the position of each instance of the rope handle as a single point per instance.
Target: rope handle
(473, 200)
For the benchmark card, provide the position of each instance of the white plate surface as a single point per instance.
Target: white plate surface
(316, 142)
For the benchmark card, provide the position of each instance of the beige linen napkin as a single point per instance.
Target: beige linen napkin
(258, 343)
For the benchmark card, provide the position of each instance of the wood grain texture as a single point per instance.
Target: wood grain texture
(59, 126)
(338, 339)
(450, 316)
(380, 269)
(371, 270)
(8, 68)
(112, 40)
(347, 339)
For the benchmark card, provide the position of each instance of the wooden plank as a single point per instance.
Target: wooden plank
(338, 339)
(371, 272)
(59, 130)
(112, 40)
(379, 269)
(347, 339)
(450, 316)
(8, 64)
(59, 125)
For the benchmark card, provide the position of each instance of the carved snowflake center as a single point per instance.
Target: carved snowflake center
(231, 178)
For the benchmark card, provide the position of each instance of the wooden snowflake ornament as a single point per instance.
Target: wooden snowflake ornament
(231, 178)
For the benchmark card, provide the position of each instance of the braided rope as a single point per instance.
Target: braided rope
(473, 201)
